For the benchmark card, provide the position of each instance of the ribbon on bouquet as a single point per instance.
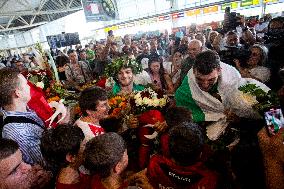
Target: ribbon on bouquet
(152, 136)
(60, 109)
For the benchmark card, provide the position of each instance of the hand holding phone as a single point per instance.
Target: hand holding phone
(274, 120)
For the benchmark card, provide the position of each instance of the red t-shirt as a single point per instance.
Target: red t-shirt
(163, 172)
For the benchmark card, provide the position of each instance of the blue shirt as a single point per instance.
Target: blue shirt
(27, 135)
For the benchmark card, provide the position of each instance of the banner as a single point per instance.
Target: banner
(210, 9)
(193, 12)
(232, 5)
(245, 3)
(100, 10)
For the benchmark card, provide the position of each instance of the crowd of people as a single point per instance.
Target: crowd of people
(199, 72)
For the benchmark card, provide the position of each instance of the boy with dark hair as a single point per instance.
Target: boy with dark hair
(183, 169)
(173, 116)
(62, 148)
(106, 157)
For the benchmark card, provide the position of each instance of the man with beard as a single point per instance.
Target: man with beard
(209, 91)
(16, 174)
(202, 89)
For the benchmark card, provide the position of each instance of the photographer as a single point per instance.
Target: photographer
(274, 41)
(232, 48)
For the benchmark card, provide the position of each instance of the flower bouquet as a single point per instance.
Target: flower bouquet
(248, 101)
(147, 104)
(118, 105)
(57, 90)
(39, 78)
(258, 98)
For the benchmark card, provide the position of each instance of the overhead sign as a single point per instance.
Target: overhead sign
(269, 1)
(245, 3)
(100, 10)
(210, 9)
(193, 12)
(232, 5)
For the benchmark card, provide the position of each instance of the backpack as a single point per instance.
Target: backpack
(14, 119)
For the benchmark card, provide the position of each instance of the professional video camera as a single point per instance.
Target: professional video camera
(231, 20)
(228, 56)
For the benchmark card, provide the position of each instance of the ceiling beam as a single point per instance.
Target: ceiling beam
(60, 1)
(22, 27)
(70, 3)
(42, 2)
(2, 26)
(21, 19)
(33, 19)
(10, 21)
(22, 13)
(58, 4)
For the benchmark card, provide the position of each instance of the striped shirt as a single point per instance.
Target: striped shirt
(27, 135)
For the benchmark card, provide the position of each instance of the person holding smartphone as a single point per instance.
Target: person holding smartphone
(272, 148)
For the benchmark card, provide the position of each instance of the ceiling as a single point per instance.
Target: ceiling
(22, 15)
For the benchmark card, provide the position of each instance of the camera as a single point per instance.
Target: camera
(231, 20)
(228, 56)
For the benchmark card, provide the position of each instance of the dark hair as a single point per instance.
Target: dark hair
(62, 60)
(7, 148)
(185, 143)
(182, 49)
(82, 51)
(103, 152)
(58, 142)
(176, 115)
(89, 98)
(231, 33)
(206, 62)
(71, 51)
(156, 58)
(276, 19)
(9, 81)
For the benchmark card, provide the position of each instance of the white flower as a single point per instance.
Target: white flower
(151, 102)
(145, 101)
(138, 101)
(137, 96)
(40, 84)
(163, 102)
(156, 102)
(249, 99)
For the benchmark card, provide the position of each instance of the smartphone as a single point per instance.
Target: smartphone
(274, 120)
